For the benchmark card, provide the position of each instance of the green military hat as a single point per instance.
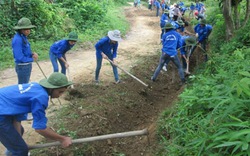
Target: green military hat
(166, 11)
(190, 41)
(203, 21)
(180, 22)
(55, 80)
(24, 23)
(168, 25)
(72, 36)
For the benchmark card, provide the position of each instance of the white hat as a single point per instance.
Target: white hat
(115, 35)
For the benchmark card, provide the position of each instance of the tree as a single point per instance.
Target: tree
(232, 11)
(247, 13)
(227, 14)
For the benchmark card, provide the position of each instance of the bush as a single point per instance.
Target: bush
(211, 117)
(43, 15)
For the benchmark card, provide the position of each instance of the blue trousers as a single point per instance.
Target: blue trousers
(99, 65)
(54, 60)
(162, 31)
(23, 73)
(157, 12)
(10, 137)
(165, 58)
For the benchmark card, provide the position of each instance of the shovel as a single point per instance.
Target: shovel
(190, 48)
(127, 72)
(95, 138)
(72, 86)
(187, 61)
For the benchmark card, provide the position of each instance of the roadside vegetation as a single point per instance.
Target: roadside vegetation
(212, 115)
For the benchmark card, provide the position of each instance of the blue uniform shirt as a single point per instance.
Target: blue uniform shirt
(104, 45)
(192, 7)
(171, 41)
(164, 20)
(21, 49)
(177, 26)
(203, 32)
(18, 100)
(209, 29)
(157, 4)
(59, 48)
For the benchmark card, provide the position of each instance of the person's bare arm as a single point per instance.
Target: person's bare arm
(49, 133)
(35, 56)
(65, 62)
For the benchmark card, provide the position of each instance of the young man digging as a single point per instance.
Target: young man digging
(18, 100)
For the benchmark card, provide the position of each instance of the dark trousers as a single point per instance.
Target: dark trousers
(165, 58)
(10, 138)
(23, 72)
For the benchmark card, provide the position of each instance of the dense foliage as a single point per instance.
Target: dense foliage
(43, 15)
(211, 118)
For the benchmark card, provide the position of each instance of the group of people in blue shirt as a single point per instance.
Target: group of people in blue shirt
(198, 10)
(16, 101)
(174, 37)
(32, 97)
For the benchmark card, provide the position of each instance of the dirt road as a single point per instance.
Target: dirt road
(141, 40)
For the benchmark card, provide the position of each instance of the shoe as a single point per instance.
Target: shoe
(152, 79)
(164, 68)
(97, 82)
(118, 81)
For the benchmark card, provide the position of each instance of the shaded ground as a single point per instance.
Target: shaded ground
(109, 108)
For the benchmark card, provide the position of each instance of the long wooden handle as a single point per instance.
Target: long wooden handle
(127, 73)
(95, 138)
(187, 70)
(72, 86)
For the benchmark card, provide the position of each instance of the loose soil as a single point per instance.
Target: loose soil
(91, 110)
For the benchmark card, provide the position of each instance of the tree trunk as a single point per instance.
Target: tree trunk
(236, 14)
(247, 13)
(227, 14)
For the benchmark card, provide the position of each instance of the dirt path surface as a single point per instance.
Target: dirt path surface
(110, 108)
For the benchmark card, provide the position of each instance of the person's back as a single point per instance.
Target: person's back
(164, 18)
(209, 29)
(23, 93)
(171, 41)
(157, 4)
(192, 7)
